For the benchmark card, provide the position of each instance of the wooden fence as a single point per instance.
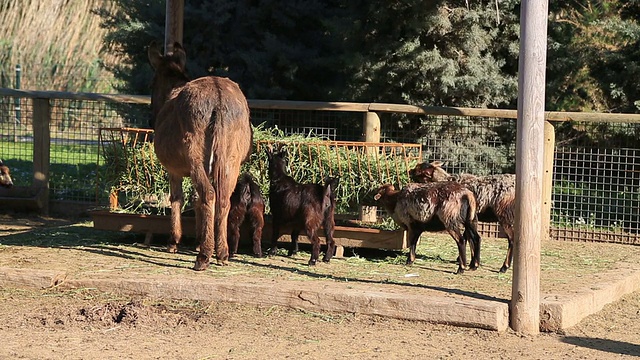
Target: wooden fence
(36, 195)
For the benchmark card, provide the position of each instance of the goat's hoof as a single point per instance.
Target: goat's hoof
(172, 249)
(273, 251)
(409, 262)
(292, 253)
(326, 260)
(258, 255)
(312, 262)
(504, 269)
(222, 262)
(460, 271)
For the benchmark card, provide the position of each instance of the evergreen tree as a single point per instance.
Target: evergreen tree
(439, 53)
(593, 56)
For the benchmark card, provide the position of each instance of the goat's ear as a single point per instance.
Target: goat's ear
(154, 54)
(437, 163)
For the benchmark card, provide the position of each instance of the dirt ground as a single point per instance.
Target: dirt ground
(87, 324)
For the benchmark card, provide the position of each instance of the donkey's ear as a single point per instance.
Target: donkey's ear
(155, 54)
(179, 55)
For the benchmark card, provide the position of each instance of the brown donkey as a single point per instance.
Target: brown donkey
(202, 130)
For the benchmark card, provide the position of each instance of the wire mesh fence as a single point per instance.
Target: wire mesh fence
(596, 180)
(326, 125)
(596, 193)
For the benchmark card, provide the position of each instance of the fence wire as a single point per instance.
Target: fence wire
(596, 192)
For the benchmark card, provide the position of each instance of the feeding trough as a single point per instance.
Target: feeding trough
(135, 180)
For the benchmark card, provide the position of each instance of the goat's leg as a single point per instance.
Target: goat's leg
(331, 244)
(473, 237)
(458, 237)
(294, 242)
(256, 219)
(275, 234)
(233, 237)
(176, 198)
(508, 229)
(197, 207)
(413, 236)
(315, 246)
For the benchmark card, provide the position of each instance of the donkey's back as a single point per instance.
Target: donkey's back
(212, 114)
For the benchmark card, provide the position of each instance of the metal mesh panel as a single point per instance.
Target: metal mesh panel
(16, 138)
(74, 146)
(466, 144)
(596, 190)
(327, 125)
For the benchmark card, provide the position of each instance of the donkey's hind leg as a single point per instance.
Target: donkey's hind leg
(176, 198)
(206, 207)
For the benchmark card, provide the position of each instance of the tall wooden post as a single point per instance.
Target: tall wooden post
(371, 125)
(174, 23)
(525, 296)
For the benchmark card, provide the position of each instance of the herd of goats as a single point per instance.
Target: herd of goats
(203, 131)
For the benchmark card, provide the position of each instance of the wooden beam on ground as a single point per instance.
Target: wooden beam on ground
(525, 297)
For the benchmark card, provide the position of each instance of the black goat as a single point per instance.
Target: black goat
(247, 207)
(301, 206)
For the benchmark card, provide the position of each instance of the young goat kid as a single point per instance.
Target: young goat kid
(247, 207)
(5, 176)
(495, 195)
(302, 206)
(435, 207)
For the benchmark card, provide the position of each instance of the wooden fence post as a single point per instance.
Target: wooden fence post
(41, 147)
(525, 292)
(371, 125)
(547, 178)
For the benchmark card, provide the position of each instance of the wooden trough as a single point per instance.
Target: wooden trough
(344, 236)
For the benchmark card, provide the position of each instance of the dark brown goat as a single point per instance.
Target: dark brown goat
(247, 207)
(5, 176)
(301, 206)
(435, 207)
(202, 131)
(495, 195)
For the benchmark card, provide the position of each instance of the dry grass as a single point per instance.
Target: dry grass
(57, 43)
